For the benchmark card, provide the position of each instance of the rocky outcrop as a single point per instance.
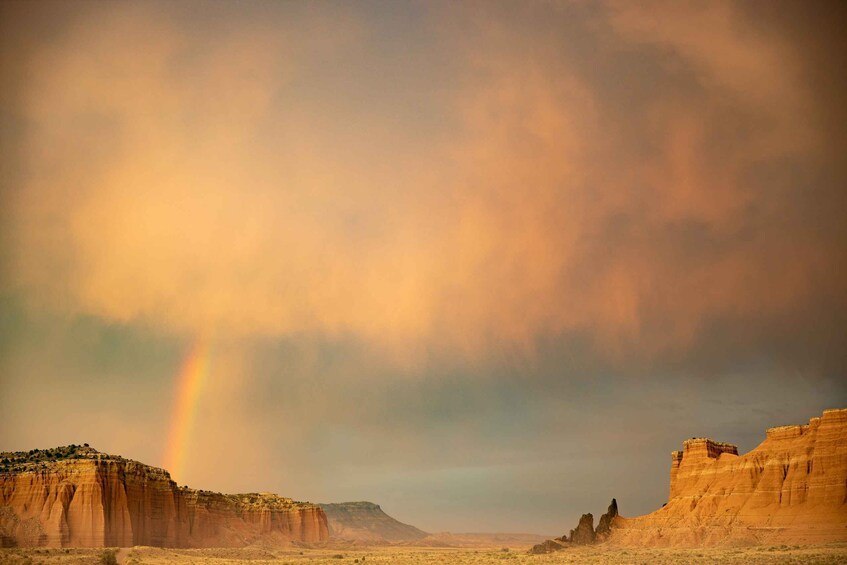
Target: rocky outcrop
(78, 497)
(548, 546)
(604, 526)
(583, 534)
(365, 521)
(792, 488)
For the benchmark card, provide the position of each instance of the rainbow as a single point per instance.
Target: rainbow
(189, 387)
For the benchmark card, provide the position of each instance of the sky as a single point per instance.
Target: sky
(485, 264)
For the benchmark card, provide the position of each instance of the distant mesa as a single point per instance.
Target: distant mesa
(791, 489)
(366, 522)
(75, 496)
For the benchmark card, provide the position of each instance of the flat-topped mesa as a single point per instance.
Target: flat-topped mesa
(698, 447)
(792, 488)
(366, 522)
(693, 451)
(78, 497)
(35, 459)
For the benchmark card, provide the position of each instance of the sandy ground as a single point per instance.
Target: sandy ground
(827, 554)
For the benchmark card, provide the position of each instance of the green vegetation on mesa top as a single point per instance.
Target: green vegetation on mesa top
(15, 461)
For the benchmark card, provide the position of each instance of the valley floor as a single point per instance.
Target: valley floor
(826, 554)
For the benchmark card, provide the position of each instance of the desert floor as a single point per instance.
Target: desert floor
(828, 554)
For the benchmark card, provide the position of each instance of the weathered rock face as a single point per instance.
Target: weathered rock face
(604, 526)
(584, 532)
(365, 521)
(95, 500)
(792, 488)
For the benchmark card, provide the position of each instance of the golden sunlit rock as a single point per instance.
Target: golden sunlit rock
(790, 489)
(78, 497)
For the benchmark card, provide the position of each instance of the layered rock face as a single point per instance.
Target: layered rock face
(91, 499)
(792, 488)
(365, 521)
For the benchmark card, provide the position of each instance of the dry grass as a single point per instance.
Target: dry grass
(827, 554)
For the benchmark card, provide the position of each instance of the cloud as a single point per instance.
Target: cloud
(197, 178)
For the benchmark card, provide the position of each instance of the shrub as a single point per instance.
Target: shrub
(108, 557)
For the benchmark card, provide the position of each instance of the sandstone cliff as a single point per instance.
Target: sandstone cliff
(792, 488)
(78, 497)
(365, 521)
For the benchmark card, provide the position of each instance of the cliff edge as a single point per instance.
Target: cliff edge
(75, 496)
(792, 488)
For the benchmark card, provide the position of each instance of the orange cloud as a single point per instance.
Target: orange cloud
(184, 186)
